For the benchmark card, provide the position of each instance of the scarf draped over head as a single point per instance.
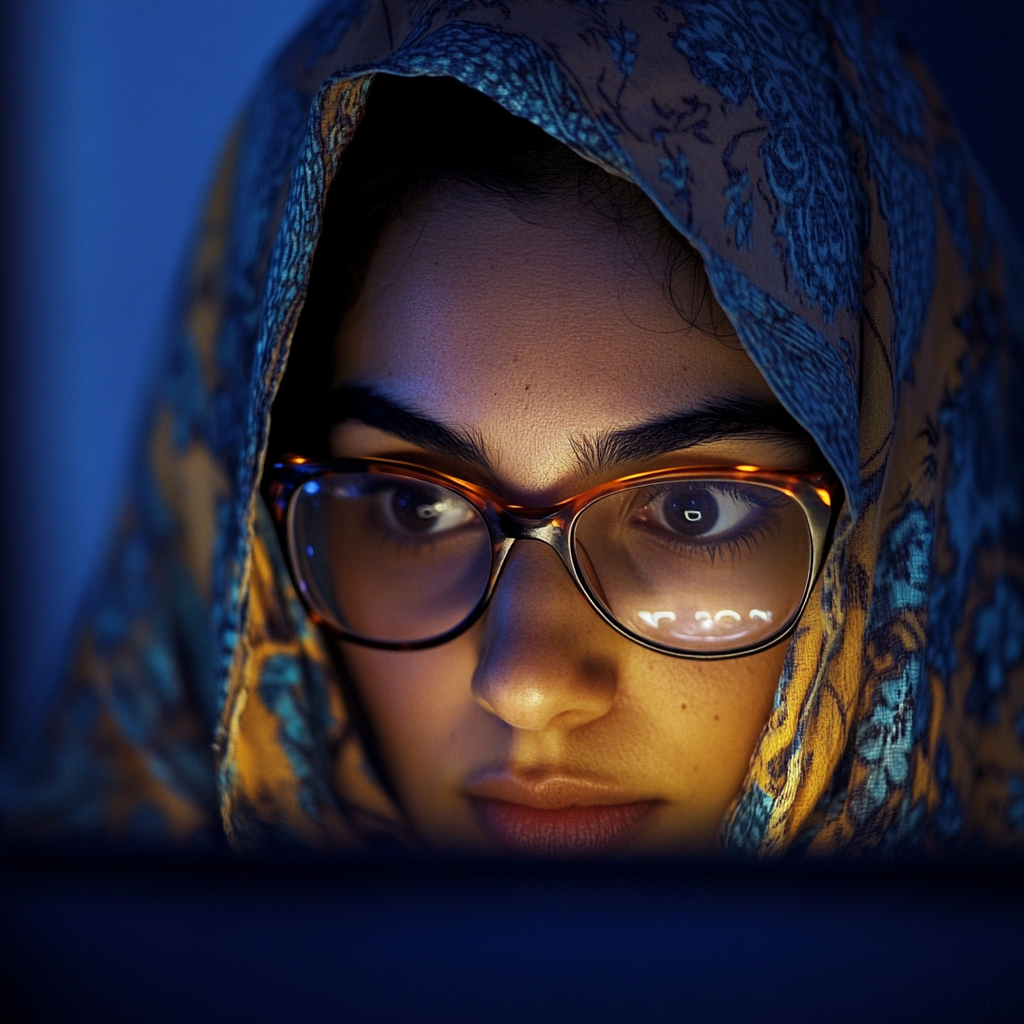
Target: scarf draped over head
(804, 152)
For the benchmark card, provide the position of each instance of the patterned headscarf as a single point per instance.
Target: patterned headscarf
(804, 152)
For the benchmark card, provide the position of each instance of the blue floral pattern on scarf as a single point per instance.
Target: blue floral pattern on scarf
(773, 52)
(790, 143)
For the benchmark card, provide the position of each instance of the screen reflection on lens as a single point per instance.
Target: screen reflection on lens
(697, 565)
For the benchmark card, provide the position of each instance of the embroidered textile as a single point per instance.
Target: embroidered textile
(803, 150)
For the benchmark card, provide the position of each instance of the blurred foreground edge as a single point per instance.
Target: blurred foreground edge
(151, 938)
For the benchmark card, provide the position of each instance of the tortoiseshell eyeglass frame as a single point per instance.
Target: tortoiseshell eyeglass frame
(818, 494)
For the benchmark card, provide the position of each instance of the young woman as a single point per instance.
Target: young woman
(590, 432)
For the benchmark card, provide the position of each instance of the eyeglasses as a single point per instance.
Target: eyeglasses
(696, 563)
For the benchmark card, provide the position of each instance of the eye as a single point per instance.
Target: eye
(422, 509)
(699, 511)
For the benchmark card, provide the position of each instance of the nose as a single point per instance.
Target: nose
(547, 658)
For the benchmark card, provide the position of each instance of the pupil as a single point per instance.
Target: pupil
(691, 511)
(415, 509)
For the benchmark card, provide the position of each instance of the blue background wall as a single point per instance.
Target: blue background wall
(116, 110)
(120, 110)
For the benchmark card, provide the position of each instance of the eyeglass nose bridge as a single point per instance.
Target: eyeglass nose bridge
(552, 530)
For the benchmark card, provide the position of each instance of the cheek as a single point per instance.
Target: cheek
(704, 720)
(733, 698)
(689, 721)
(422, 711)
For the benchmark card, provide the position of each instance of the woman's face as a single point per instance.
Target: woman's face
(542, 730)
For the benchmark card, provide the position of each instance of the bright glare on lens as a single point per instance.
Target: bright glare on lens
(697, 566)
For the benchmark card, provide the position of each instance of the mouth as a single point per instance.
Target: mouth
(556, 816)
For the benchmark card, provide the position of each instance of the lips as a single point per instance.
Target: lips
(556, 816)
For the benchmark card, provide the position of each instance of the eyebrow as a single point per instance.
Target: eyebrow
(358, 402)
(729, 417)
(725, 417)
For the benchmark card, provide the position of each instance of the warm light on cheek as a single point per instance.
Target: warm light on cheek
(434, 734)
(415, 692)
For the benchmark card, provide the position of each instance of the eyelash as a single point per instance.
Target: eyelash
(426, 544)
(429, 545)
(716, 548)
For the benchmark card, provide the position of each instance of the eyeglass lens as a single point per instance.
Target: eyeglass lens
(699, 566)
(389, 558)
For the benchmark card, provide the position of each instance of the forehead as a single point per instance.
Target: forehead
(529, 325)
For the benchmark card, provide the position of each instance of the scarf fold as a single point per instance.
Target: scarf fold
(871, 276)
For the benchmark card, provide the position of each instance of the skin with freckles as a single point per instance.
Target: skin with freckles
(523, 328)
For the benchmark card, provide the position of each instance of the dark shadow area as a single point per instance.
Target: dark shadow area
(12, 311)
(85, 938)
(221, 941)
(973, 51)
